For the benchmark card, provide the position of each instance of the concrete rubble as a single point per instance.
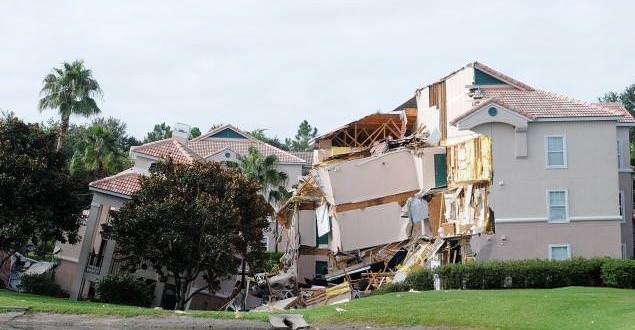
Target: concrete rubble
(379, 202)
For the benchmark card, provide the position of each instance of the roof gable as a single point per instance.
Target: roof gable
(482, 78)
(228, 133)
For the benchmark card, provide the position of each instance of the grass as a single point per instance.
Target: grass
(564, 308)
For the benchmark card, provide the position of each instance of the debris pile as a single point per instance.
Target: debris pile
(380, 202)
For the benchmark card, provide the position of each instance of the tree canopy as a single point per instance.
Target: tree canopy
(195, 132)
(39, 200)
(192, 219)
(71, 90)
(159, 132)
(101, 149)
(274, 141)
(306, 132)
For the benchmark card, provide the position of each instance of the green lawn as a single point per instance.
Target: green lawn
(565, 308)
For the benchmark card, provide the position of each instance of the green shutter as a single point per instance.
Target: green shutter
(440, 170)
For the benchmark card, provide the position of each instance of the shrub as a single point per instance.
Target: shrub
(40, 284)
(522, 274)
(125, 289)
(391, 287)
(420, 280)
(619, 273)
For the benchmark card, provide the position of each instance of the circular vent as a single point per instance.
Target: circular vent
(492, 111)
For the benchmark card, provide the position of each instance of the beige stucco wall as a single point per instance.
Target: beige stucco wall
(371, 226)
(293, 171)
(364, 179)
(532, 240)
(65, 273)
(306, 265)
(520, 184)
(626, 186)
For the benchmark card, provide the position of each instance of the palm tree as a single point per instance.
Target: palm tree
(264, 170)
(72, 91)
(98, 151)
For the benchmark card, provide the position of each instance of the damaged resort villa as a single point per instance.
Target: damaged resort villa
(474, 166)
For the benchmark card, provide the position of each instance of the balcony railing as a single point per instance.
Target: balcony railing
(93, 265)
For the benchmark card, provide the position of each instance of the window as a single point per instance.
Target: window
(265, 243)
(620, 201)
(559, 252)
(556, 151)
(620, 157)
(624, 254)
(557, 200)
(321, 268)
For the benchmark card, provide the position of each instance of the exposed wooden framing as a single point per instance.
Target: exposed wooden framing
(401, 198)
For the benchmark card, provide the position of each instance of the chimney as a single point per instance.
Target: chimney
(181, 132)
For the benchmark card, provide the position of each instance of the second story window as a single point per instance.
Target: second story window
(556, 151)
(558, 205)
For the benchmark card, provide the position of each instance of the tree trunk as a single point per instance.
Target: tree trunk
(243, 283)
(63, 130)
(8, 257)
(275, 234)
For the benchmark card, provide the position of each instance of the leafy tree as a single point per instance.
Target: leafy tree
(195, 132)
(192, 219)
(264, 170)
(274, 141)
(160, 132)
(301, 142)
(100, 150)
(72, 91)
(39, 200)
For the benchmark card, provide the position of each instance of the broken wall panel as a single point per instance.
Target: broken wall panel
(307, 229)
(367, 227)
(470, 161)
(358, 180)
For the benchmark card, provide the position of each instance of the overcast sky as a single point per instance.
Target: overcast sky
(271, 64)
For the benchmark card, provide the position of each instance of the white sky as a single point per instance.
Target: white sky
(271, 64)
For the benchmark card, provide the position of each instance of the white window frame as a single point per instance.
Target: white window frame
(265, 241)
(621, 204)
(620, 154)
(551, 246)
(564, 152)
(624, 254)
(566, 206)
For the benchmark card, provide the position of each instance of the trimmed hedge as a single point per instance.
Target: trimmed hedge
(40, 284)
(619, 273)
(525, 274)
(125, 289)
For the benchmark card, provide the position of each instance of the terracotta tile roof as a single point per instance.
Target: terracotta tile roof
(210, 146)
(307, 156)
(537, 104)
(124, 183)
(618, 109)
(167, 148)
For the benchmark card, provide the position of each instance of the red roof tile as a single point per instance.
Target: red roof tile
(208, 147)
(124, 183)
(535, 104)
(168, 148)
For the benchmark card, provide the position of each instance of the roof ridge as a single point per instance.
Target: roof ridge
(115, 176)
(276, 148)
(154, 142)
(187, 151)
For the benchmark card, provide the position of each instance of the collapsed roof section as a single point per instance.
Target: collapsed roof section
(365, 132)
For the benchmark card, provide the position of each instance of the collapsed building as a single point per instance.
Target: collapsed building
(381, 201)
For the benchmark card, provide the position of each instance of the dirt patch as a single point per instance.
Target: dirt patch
(47, 321)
